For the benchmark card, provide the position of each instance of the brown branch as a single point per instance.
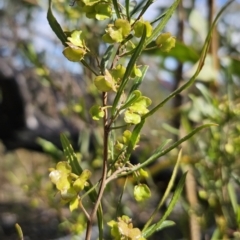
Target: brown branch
(104, 169)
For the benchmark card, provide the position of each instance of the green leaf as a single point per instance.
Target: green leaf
(76, 168)
(160, 148)
(165, 224)
(116, 9)
(55, 25)
(70, 155)
(132, 62)
(234, 66)
(141, 192)
(182, 53)
(49, 148)
(167, 191)
(150, 230)
(135, 137)
(233, 198)
(107, 55)
(127, 6)
(19, 231)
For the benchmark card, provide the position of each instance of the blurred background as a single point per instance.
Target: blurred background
(42, 94)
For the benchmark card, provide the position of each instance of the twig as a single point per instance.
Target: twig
(104, 171)
(84, 210)
(115, 174)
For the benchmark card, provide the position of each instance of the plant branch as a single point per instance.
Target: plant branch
(84, 210)
(168, 149)
(104, 169)
(115, 174)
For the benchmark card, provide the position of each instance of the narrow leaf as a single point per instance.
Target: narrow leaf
(149, 231)
(127, 6)
(106, 57)
(19, 231)
(70, 155)
(115, 5)
(55, 25)
(169, 187)
(73, 161)
(165, 151)
(165, 224)
(145, 8)
(134, 139)
(129, 69)
(137, 8)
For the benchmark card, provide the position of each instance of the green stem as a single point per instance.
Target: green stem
(164, 152)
